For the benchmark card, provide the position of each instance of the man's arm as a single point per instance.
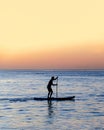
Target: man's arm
(56, 78)
(56, 83)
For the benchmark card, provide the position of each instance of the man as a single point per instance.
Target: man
(50, 83)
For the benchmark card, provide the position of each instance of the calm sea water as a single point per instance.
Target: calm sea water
(19, 112)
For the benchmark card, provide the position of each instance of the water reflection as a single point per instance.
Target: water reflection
(50, 109)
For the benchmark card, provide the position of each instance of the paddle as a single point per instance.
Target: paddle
(57, 89)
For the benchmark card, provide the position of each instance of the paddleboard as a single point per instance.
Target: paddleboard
(55, 99)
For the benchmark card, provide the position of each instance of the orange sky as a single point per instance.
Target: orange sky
(51, 34)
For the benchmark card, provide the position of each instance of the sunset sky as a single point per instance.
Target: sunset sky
(51, 34)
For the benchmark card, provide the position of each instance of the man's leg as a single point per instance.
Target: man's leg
(51, 93)
(48, 94)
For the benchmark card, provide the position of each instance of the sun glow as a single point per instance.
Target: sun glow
(51, 34)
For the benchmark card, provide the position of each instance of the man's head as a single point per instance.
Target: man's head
(52, 78)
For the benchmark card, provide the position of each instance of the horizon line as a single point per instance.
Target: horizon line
(21, 69)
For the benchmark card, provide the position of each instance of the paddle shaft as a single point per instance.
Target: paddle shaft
(57, 89)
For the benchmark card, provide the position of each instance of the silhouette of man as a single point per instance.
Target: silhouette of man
(50, 83)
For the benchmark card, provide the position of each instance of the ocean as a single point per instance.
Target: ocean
(18, 110)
